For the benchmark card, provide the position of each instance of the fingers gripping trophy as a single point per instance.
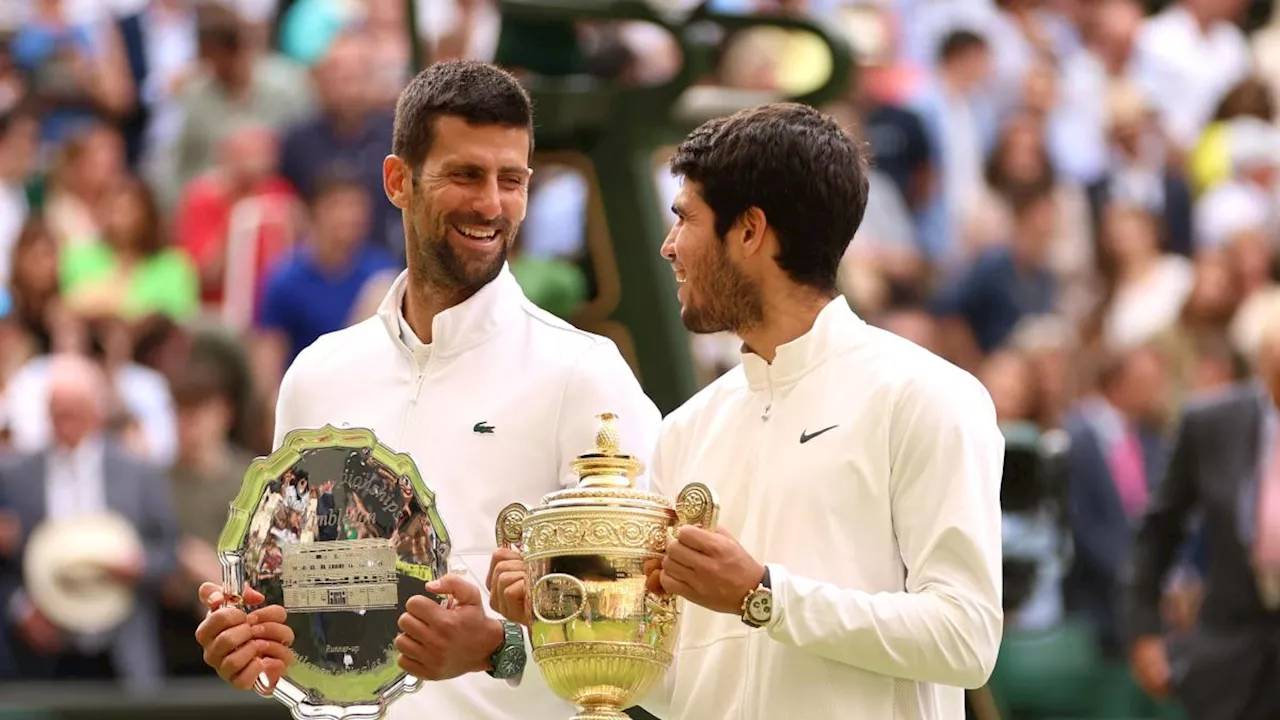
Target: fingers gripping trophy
(600, 638)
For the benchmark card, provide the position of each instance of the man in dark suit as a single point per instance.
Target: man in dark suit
(82, 474)
(1116, 452)
(1223, 464)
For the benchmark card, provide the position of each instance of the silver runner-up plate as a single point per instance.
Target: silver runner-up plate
(341, 531)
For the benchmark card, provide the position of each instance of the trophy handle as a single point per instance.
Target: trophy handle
(510, 527)
(567, 593)
(697, 504)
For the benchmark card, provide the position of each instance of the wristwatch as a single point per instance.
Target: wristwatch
(508, 661)
(757, 606)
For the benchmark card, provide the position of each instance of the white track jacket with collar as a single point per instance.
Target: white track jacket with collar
(865, 473)
(493, 410)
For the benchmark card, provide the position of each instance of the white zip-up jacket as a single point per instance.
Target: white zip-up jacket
(535, 384)
(865, 473)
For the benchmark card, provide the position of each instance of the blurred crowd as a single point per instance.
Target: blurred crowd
(1073, 199)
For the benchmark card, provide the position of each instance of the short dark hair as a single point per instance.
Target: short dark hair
(795, 164)
(479, 93)
(959, 42)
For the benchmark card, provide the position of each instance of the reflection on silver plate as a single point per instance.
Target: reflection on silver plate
(341, 531)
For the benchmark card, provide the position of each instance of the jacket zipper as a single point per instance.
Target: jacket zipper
(768, 406)
(420, 375)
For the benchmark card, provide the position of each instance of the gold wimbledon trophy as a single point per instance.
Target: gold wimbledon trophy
(601, 639)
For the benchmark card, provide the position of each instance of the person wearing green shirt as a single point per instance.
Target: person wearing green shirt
(130, 271)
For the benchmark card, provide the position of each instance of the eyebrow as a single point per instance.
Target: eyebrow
(469, 165)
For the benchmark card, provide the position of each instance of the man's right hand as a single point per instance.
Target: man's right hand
(241, 646)
(1150, 664)
(506, 585)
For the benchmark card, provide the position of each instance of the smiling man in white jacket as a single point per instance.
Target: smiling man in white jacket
(492, 397)
(857, 569)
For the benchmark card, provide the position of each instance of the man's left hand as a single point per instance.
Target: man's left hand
(710, 569)
(438, 642)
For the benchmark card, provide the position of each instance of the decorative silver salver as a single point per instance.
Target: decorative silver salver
(341, 531)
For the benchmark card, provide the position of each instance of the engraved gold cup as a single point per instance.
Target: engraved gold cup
(601, 640)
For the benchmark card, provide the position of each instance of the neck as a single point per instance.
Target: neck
(785, 319)
(422, 302)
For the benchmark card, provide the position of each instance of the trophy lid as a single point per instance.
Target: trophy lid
(606, 474)
(607, 466)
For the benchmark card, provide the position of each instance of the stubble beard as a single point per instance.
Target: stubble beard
(728, 300)
(441, 268)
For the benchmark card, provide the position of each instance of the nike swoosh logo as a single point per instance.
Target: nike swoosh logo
(807, 436)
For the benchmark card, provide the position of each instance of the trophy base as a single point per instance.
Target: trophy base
(601, 713)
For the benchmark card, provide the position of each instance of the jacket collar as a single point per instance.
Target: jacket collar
(464, 325)
(836, 328)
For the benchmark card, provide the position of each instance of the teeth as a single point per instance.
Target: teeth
(475, 232)
(680, 276)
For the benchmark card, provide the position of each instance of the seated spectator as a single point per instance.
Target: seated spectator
(1004, 284)
(71, 474)
(236, 221)
(205, 479)
(34, 292)
(18, 142)
(86, 168)
(130, 272)
(1148, 288)
(79, 71)
(314, 288)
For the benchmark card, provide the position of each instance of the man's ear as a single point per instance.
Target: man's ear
(753, 225)
(397, 181)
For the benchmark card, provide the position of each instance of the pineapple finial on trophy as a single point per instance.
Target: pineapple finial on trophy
(606, 465)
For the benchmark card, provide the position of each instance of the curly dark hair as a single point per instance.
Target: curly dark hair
(799, 167)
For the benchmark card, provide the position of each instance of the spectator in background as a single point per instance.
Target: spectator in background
(160, 45)
(86, 170)
(19, 133)
(131, 272)
(239, 83)
(1139, 172)
(34, 291)
(1250, 102)
(206, 476)
(313, 289)
(959, 131)
(1187, 57)
(1020, 160)
(348, 135)
(1201, 322)
(235, 221)
(1225, 466)
(79, 71)
(1115, 458)
(1004, 284)
(83, 470)
(1145, 288)
(1078, 138)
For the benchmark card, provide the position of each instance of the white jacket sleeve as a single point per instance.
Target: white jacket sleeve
(288, 414)
(947, 457)
(603, 382)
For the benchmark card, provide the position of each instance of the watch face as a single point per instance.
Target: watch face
(760, 607)
(510, 662)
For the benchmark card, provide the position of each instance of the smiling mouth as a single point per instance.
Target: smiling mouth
(480, 234)
(681, 276)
